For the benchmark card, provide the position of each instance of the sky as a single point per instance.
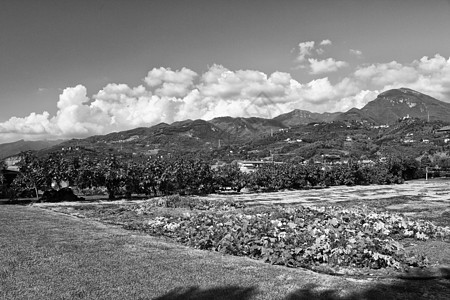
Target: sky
(71, 69)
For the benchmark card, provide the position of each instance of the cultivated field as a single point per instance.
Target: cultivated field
(49, 255)
(418, 198)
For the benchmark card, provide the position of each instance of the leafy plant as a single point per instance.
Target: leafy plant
(299, 236)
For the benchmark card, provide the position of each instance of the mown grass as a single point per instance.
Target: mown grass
(49, 256)
(46, 255)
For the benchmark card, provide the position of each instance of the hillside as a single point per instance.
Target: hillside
(8, 149)
(241, 129)
(395, 104)
(299, 117)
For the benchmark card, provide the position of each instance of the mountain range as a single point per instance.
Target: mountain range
(8, 149)
(386, 109)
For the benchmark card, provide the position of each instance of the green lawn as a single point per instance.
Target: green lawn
(47, 255)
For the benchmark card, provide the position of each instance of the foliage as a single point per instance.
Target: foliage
(444, 162)
(229, 176)
(176, 201)
(22, 187)
(298, 236)
(190, 175)
(33, 175)
(2, 168)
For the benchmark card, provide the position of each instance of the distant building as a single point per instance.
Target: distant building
(379, 126)
(408, 141)
(331, 159)
(446, 132)
(11, 163)
(248, 166)
(445, 129)
(366, 162)
(348, 142)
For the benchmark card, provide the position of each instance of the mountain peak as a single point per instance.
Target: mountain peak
(395, 104)
(409, 91)
(400, 92)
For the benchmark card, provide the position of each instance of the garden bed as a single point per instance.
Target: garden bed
(341, 240)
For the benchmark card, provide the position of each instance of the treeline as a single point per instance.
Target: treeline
(181, 175)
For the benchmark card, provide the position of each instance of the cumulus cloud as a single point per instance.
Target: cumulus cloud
(171, 83)
(325, 66)
(308, 49)
(428, 75)
(172, 95)
(304, 50)
(357, 53)
(305, 58)
(34, 124)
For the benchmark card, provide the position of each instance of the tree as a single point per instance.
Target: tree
(111, 174)
(2, 177)
(230, 176)
(444, 162)
(58, 168)
(425, 161)
(151, 175)
(88, 174)
(132, 176)
(2, 169)
(32, 173)
(410, 168)
(184, 175)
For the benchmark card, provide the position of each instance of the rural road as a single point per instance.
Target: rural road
(47, 255)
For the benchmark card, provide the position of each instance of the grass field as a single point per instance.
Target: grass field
(46, 255)
(49, 255)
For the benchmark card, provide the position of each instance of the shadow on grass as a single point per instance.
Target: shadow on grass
(413, 288)
(22, 202)
(216, 293)
(406, 289)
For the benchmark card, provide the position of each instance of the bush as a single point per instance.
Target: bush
(64, 194)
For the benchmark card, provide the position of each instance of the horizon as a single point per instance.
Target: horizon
(72, 69)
